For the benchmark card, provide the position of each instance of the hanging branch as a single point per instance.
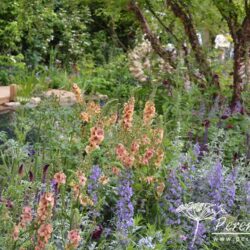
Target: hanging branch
(247, 7)
(240, 33)
(230, 15)
(155, 43)
(167, 29)
(185, 17)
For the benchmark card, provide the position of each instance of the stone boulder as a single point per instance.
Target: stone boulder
(65, 98)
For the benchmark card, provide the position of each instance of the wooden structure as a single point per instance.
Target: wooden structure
(7, 95)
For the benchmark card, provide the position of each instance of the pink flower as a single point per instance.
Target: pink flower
(149, 112)
(26, 216)
(81, 178)
(74, 238)
(60, 178)
(135, 147)
(128, 112)
(15, 233)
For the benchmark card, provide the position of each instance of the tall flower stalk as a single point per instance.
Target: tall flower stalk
(215, 180)
(93, 182)
(125, 208)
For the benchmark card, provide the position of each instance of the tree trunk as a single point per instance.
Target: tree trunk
(241, 57)
(186, 19)
(239, 72)
(154, 41)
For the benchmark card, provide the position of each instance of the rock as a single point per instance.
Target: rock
(65, 98)
(34, 101)
(12, 104)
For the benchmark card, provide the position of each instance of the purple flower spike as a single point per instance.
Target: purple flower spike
(173, 197)
(215, 181)
(230, 189)
(96, 234)
(93, 182)
(125, 208)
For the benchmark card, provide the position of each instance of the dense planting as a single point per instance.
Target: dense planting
(109, 178)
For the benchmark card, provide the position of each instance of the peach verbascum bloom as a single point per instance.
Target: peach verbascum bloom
(150, 179)
(45, 206)
(158, 135)
(116, 171)
(85, 200)
(149, 112)
(78, 93)
(145, 140)
(60, 178)
(85, 116)
(96, 138)
(26, 216)
(123, 155)
(74, 239)
(15, 233)
(79, 184)
(43, 235)
(103, 179)
(160, 188)
(93, 108)
(111, 120)
(82, 179)
(135, 147)
(148, 155)
(159, 157)
(128, 113)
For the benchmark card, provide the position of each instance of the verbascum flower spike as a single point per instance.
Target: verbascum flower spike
(74, 239)
(43, 235)
(128, 113)
(148, 113)
(78, 93)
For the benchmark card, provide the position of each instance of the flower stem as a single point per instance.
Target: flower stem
(195, 232)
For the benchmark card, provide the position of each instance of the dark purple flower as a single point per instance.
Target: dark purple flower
(31, 176)
(206, 123)
(45, 170)
(21, 170)
(96, 234)
(124, 207)
(9, 204)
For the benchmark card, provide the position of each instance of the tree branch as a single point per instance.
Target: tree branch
(167, 29)
(155, 43)
(186, 18)
(247, 6)
(231, 16)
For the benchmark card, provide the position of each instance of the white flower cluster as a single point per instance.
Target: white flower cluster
(143, 62)
(222, 41)
(139, 60)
